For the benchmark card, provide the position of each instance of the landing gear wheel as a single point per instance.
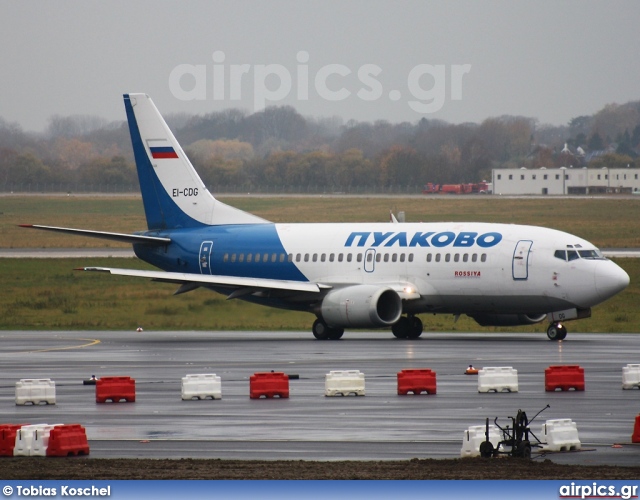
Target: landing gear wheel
(336, 333)
(322, 331)
(486, 449)
(556, 332)
(401, 328)
(415, 327)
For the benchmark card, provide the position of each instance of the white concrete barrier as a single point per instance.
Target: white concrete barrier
(560, 435)
(498, 379)
(630, 376)
(35, 391)
(201, 386)
(344, 382)
(475, 435)
(32, 440)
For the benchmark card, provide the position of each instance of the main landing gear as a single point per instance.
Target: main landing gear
(556, 331)
(407, 327)
(322, 331)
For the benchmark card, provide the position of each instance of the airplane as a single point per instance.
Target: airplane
(351, 275)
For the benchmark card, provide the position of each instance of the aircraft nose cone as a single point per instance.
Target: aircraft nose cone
(610, 279)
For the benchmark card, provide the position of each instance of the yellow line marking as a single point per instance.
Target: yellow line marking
(90, 343)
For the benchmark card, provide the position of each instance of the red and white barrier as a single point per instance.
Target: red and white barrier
(32, 440)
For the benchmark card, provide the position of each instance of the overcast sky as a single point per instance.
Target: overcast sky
(459, 61)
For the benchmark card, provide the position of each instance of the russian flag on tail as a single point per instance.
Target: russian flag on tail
(161, 149)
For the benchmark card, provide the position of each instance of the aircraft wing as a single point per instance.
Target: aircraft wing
(189, 281)
(121, 237)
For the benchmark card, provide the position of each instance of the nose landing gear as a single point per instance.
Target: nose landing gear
(556, 331)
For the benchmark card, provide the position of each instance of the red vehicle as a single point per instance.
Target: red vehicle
(480, 187)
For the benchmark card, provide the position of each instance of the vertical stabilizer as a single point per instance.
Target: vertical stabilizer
(173, 194)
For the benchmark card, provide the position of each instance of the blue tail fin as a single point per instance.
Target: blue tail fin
(173, 194)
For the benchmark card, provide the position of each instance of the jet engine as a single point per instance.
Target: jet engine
(508, 319)
(361, 306)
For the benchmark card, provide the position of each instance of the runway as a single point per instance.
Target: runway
(308, 425)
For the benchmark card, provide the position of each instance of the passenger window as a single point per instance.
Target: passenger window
(225, 258)
(437, 257)
(359, 257)
(241, 257)
(323, 257)
(410, 257)
(274, 257)
(483, 258)
(386, 257)
(265, 257)
(428, 257)
(394, 257)
(465, 257)
(348, 257)
(402, 257)
(306, 257)
(572, 255)
(339, 257)
(315, 257)
(560, 254)
(474, 257)
(456, 257)
(447, 257)
(281, 257)
(369, 257)
(257, 257)
(233, 257)
(331, 256)
(298, 257)
(290, 258)
(378, 257)
(249, 257)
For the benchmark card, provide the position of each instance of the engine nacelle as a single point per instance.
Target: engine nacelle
(508, 319)
(361, 306)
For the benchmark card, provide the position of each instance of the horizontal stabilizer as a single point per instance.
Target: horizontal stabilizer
(214, 280)
(123, 238)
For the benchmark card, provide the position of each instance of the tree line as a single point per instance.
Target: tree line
(283, 150)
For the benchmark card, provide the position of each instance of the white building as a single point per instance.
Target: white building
(563, 180)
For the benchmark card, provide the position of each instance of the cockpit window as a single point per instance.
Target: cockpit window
(572, 255)
(591, 254)
(577, 254)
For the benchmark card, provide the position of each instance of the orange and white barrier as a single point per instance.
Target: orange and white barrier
(498, 379)
(344, 382)
(201, 386)
(35, 391)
